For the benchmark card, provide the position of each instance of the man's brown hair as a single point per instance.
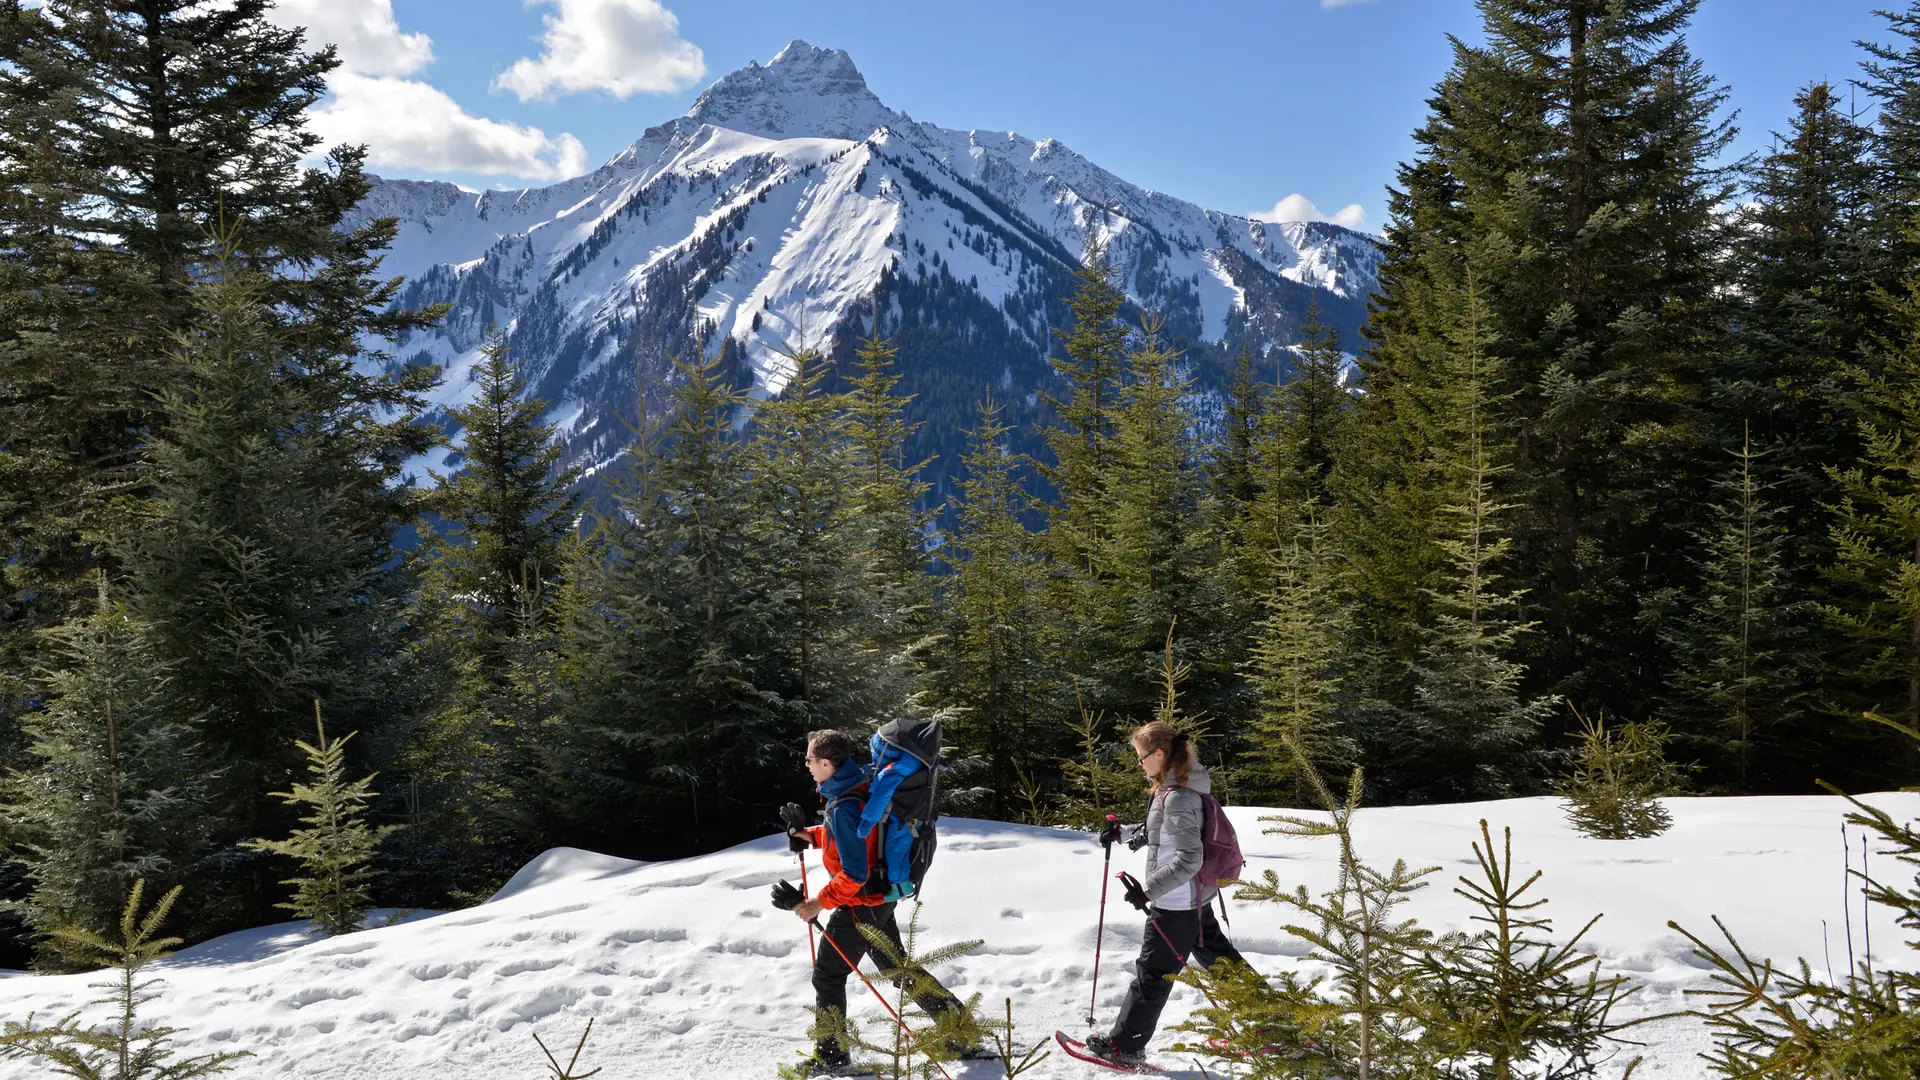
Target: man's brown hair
(829, 744)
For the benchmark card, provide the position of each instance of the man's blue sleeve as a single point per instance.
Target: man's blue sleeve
(880, 791)
(848, 841)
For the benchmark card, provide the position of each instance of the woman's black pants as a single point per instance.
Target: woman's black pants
(1191, 933)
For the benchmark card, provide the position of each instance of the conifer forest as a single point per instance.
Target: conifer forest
(1624, 459)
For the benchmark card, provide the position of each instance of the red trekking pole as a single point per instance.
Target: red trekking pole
(811, 955)
(882, 998)
(1113, 824)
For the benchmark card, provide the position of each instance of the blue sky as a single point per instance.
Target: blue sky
(1233, 104)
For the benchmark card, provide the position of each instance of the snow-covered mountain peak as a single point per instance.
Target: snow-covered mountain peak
(791, 208)
(803, 92)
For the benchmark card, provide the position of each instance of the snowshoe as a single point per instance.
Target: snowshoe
(1099, 1051)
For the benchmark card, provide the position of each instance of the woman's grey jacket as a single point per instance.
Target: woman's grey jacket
(1179, 813)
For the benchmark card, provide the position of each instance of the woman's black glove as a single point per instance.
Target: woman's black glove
(795, 820)
(1132, 892)
(1111, 833)
(785, 896)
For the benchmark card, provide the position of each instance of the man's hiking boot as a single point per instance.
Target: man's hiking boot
(1102, 1047)
(976, 1052)
(831, 1059)
(816, 1067)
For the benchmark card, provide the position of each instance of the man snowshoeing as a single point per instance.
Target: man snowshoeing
(849, 860)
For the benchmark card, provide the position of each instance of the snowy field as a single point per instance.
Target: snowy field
(690, 973)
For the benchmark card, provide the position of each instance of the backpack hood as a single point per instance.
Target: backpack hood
(919, 736)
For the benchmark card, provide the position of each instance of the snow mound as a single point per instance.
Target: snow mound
(688, 972)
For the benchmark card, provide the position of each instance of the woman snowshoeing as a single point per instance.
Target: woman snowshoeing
(1170, 891)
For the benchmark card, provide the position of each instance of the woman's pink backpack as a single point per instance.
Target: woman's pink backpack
(1220, 858)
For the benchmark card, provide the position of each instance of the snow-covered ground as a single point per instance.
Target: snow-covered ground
(689, 973)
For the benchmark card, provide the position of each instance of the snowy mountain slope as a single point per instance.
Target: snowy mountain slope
(689, 973)
(787, 207)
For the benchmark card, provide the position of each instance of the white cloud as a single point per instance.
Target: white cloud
(369, 40)
(624, 47)
(1297, 207)
(1340, 3)
(407, 123)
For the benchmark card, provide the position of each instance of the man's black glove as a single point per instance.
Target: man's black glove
(795, 820)
(1132, 892)
(1137, 838)
(785, 896)
(1111, 833)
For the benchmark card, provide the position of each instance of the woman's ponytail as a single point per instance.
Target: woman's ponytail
(1159, 735)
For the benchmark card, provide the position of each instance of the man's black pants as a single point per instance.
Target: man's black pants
(830, 972)
(1192, 933)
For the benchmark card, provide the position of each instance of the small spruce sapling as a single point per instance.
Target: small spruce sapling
(126, 1050)
(336, 848)
(1771, 1023)
(1007, 1045)
(1096, 783)
(1505, 1002)
(553, 1063)
(908, 971)
(1358, 1023)
(1618, 778)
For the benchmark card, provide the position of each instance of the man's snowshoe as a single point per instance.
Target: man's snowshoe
(1099, 1050)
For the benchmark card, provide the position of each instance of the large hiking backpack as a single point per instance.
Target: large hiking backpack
(900, 802)
(1220, 858)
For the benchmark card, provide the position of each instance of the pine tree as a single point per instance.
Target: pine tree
(672, 711)
(510, 507)
(806, 498)
(1876, 533)
(1361, 1021)
(489, 579)
(144, 137)
(1891, 77)
(888, 497)
(993, 666)
(1314, 417)
(1152, 563)
(1741, 680)
(1473, 726)
(115, 790)
(1294, 667)
(1809, 262)
(263, 566)
(1233, 468)
(130, 1049)
(1603, 281)
(336, 847)
(1082, 442)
